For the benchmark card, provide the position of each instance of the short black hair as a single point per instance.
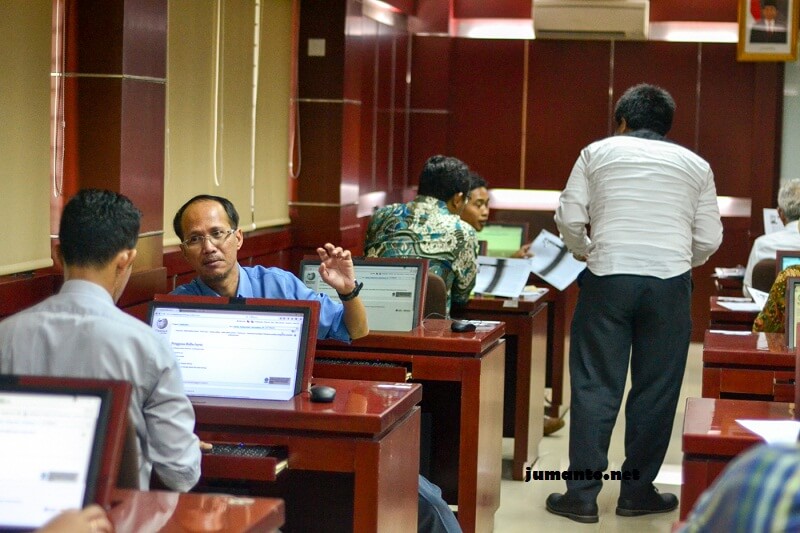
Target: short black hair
(646, 107)
(230, 210)
(476, 181)
(443, 177)
(96, 225)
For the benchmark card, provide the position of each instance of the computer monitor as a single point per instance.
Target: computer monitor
(503, 238)
(61, 440)
(393, 292)
(253, 349)
(786, 258)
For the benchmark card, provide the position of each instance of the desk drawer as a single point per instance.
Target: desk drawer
(783, 387)
(778, 384)
(743, 381)
(239, 467)
(361, 370)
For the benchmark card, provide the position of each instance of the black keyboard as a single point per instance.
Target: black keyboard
(355, 362)
(242, 450)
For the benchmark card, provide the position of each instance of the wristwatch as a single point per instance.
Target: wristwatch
(353, 293)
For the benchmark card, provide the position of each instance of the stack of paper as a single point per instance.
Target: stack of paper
(500, 276)
(730, 272)
(552, 261)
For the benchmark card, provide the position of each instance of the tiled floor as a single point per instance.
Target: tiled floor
(522, 504)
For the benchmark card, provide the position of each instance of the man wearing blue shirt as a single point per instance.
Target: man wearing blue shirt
(208, 227)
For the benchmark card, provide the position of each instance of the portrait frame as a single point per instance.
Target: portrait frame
(792, 312)
(780, 43)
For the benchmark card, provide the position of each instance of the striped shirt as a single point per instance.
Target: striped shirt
(758, 492)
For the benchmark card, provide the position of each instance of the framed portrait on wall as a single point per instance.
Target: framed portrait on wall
(792, 314)
(768, 30)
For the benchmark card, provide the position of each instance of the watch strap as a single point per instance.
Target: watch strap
(353, 293)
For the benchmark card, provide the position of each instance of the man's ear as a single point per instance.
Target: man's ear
(622, 127)
(456, 203)
(58, 256)
(239, 238)
(125, 259)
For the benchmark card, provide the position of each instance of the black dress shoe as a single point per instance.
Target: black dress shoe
(649, 502)
(572, 508)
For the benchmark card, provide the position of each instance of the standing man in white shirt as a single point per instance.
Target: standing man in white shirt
(766, 246)
(79, 332)
(652, 208)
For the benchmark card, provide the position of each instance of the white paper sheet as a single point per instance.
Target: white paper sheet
(729, 272)
(730, 332)
(740, 306)
(501, 276)
(552, 261)
(759, 297)
(772, 222)
(773, 431)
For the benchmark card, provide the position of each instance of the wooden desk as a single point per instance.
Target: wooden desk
(723, 318)
(526, 354)
(173, 512)
(729, 286)
(757, 366)
(559, 315)
(367, 439)
(463, 378)
(712, 438)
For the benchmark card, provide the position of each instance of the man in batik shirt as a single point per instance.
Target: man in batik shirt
(772, 318)
(430, 227)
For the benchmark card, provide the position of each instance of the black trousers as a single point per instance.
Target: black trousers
(622, 318)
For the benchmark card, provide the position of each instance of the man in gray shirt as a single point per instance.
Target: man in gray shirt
(79, 332)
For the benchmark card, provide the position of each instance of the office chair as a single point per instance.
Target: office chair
(764, 275)
(435, 297)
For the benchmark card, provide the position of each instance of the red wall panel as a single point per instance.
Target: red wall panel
(430, 83)
(567, 107)
(710, 10)
(727, 92)
(672, 66)
(485, 125)
(492, 8)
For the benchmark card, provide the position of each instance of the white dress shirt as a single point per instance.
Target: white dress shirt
(652, 206)
(79, 332)
(765, 247)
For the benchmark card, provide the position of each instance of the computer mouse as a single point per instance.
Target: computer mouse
(322, 393)
(462, 326)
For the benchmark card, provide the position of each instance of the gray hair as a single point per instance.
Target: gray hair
(789, 199)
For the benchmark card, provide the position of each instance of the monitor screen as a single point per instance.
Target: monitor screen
(503, 239)
(391, 293)
(789, 260)
(56, 441)
(236, 351)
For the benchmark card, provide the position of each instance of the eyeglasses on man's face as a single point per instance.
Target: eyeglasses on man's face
(216, 238)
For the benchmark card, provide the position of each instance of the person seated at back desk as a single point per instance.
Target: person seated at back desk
(429, 227)
(772, 318)
(208, 227)
(766, 246)
(79, 332)
(476, 213)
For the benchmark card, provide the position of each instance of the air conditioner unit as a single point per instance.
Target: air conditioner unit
(591, 19)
